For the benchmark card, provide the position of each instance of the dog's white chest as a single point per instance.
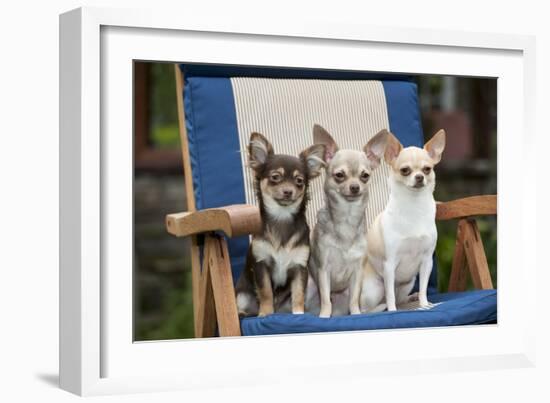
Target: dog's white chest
(411, 252)
(280, 258)
(409, 243)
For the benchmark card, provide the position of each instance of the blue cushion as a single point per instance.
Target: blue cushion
(462, 308)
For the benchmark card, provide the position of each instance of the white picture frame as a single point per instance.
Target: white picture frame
(97, 352)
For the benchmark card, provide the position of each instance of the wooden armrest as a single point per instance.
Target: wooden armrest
(235, 220)
(467, 207)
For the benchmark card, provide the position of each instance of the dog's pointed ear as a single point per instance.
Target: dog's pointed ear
(321, 136)
(259, 149)
(375, 148)
(436, 145)
(393, 148)
(314, 157)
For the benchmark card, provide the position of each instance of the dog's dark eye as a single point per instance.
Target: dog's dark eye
(299, 181)
(339, 176)
(275, 177)
(427, 170)
(365, 176)
(405, 171)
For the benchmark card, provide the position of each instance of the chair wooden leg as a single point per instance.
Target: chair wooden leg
(203, 301)
(459, 273)
(469, 253)
(475, 256)
(214, 293)
(224, 291)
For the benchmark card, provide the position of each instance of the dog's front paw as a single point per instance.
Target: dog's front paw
(426, 305)
(297, 312)
(325, 312)
(423, 302)
(354, 310)
(265, 311)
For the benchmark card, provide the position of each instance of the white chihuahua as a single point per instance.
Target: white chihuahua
(401, 241)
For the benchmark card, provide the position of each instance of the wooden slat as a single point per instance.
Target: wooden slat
(189, 191)
(233, 220)
(475, 256)
(459, 273)
(189, 195)
(224, 291)
(467, 207)
(205, 317)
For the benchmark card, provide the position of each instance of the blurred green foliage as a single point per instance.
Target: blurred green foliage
(166, 136)
(176, 315)
(163, 110)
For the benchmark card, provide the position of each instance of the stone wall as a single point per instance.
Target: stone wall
(162, 264)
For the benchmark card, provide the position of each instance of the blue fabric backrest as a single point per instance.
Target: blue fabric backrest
(213, 135)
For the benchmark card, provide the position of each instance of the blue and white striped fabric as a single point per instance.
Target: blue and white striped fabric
(224, 105)
(285, 111)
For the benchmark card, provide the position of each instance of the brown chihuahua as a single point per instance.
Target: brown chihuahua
(275, 275)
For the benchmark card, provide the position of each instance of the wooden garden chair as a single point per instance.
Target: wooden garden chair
(219, 107)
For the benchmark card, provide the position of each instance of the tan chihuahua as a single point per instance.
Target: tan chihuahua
(339, 242)
(401, 241)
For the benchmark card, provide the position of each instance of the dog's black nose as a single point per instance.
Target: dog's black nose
(354, 189)
(419, 178)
